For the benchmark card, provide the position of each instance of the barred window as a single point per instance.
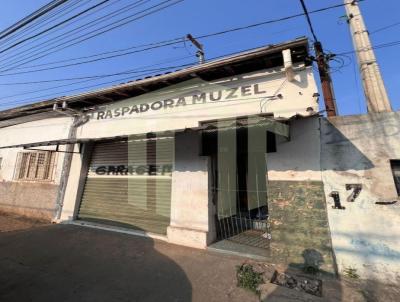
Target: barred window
(35, 166)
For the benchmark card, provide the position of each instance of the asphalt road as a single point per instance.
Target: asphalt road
(72, 263)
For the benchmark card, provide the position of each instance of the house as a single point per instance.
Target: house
(230, 154)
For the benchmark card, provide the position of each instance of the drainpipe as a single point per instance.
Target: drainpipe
(78, 119)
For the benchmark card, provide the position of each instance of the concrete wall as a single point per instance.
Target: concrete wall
(297, 158)
(357, 150)
(192, 219)
(296, 199)
(30, 198)
(35, 200)
(77, 177)
(299, 224)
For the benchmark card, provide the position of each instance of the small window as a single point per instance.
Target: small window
(35, 166)
(1, 161)
(395, 164)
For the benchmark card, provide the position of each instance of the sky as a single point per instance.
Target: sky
(199, 18)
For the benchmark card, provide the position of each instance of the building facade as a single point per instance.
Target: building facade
(231, 154)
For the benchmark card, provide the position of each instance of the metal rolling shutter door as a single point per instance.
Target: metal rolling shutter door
(141, 199)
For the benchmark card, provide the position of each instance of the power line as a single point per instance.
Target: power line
(244, 27)
(379, 46)
(151, 10)
(32, 17)
(356, 84)
(31, 27)
(173, 42)
(206, 35)
(308, 19)
(94, 78)
(102, 53)
(79, 78)
(384, 28)
(29, 53)
(38, 49)
(66, 34)
(55, 26)
(92, 86)
(270, 21)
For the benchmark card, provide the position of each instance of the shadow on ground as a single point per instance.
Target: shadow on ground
(69, 263)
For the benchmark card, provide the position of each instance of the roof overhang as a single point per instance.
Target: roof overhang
(252, 60)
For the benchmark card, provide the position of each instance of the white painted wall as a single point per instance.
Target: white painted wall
(357, 149)
(35, 131)
(297, 96)
(298, 158)
(191, 209)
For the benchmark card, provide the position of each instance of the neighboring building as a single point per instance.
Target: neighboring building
(29, 179)
(226, 154)
(364, 151)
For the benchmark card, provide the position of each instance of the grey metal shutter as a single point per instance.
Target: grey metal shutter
(129, 184)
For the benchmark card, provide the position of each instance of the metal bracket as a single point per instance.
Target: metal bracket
(199, 46)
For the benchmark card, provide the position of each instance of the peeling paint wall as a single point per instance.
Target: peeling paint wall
(357, 150)
(297, 158)
(296, 199)
(299, 224)
(30, 198)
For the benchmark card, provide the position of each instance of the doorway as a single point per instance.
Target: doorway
(242, 209)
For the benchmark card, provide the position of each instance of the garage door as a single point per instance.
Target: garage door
(129, 184)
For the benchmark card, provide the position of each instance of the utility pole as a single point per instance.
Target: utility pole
(326, 80)
(374, 88)
(323, 68)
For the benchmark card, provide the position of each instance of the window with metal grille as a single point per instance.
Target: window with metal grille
(35, 166)
(395, 164)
